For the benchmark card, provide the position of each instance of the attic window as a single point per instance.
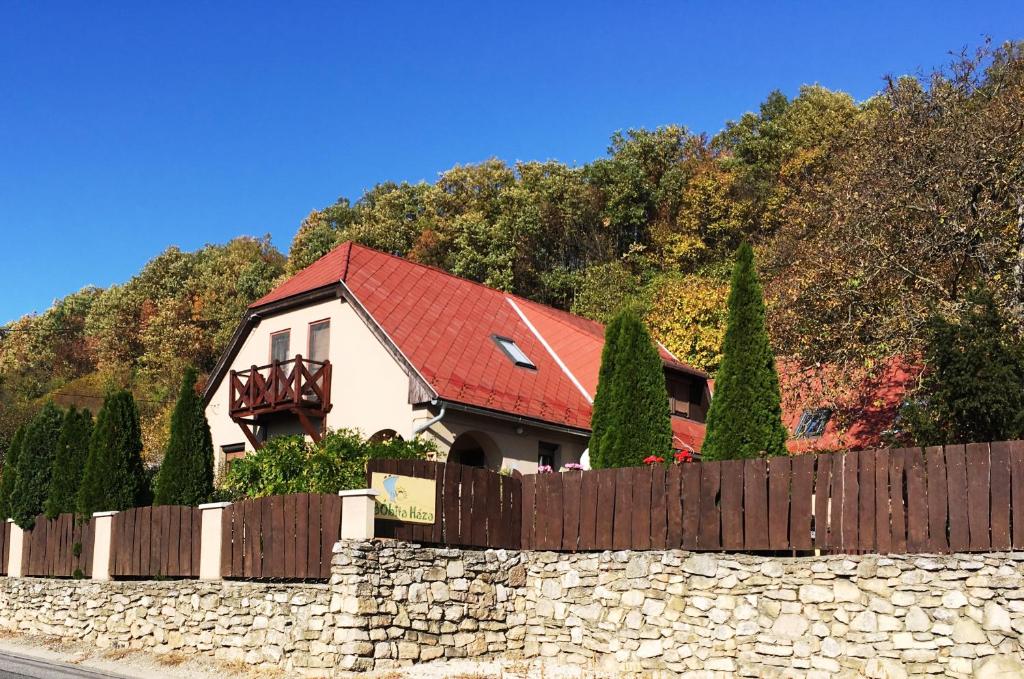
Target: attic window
(812, 423)
(515, 354)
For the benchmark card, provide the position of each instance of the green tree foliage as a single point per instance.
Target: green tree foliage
(10, 473)
(291, 464)
(186, 475)
(630, 418)
(35, 465)
(114, 478)
(68, 462)
(745, 418)
(973, 388)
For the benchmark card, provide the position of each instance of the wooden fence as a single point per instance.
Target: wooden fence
(474, 507)
(5, 543)
(60, 547)
(156, 541)
(941, 499)
(282, 536)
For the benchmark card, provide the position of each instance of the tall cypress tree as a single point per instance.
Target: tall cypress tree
(35, 464)
(114, 479)
(630, 417)
(186, 475)
(745, 418)
(10, 474)
(69, 462)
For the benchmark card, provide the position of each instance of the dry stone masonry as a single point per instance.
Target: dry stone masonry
(668, 613)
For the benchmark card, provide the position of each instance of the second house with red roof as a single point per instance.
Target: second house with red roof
(366, 340)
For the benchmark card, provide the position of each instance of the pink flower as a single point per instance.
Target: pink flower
(544, 469)
(653, 459)
(684, 456)
(573, 467)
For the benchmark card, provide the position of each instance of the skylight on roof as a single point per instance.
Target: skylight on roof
(515, 354)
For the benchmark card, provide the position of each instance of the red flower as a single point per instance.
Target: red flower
(684, 456)
(653, 459)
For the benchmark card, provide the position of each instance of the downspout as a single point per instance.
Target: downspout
(420, 428)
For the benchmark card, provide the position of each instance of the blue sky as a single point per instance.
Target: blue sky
(127, 128)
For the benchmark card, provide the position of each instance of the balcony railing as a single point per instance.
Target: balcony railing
(296, 385)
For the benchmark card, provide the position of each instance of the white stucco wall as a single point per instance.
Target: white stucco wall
(369, 389)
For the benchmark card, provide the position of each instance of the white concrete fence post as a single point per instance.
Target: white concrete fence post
(102, 544)
(357, 513)
(210, 545)
(15, 550)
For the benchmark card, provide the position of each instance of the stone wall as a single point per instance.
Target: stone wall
(666, 613)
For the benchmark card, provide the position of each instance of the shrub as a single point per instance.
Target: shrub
(35, 465)
(186, 475)
(69, 462)
(291, 464)
(114, 478)
(10, 473)
(745, 418)
(631, 412)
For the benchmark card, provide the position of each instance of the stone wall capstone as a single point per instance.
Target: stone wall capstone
(665, 613)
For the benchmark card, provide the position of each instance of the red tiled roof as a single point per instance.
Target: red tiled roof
(444, 325)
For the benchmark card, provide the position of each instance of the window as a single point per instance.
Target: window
(232, 452)
(547, 455)
(514, 353)
(812, 423)
(319, 340)
(280, 345)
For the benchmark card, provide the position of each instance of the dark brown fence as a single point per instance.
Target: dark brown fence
(156, 541)
(473, 507)
(953, 498)
(60, 547)
(282, 536)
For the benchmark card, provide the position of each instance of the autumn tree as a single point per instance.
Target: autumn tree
(630, 419)
(745, 417)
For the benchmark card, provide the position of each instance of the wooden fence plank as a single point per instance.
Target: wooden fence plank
(330, 522)
(837, 494)
(640, 530)
(530, 513)
(516, 508)
(313, 537)
(605, 508)
(978, 495)
(917, 502)
(935, 462)
(1000, 500)
(710, 535)
(755, 505)
(691, 505)
(800, 503)
(897, 506)
(822, 487)
(588, 510)
(1017, 492)
(478, 520)
(659, 520)
(779, 471)
(851, 503)
(956, 495)
(174, 541)
(883, 531)
(866, 503)
(732, 504)
(452, 506)
(274, 558)
(621, 529)
(571, 496)
(674, 506)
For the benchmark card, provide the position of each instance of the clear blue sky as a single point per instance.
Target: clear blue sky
(127, 129)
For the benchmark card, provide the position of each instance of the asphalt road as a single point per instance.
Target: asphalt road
(19, 667)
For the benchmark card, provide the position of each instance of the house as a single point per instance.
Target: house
(826, 408)
(367, 340)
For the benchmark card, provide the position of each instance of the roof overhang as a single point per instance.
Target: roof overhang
(509, 417)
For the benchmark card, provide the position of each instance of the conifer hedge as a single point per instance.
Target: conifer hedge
(10, 474)
(69, 462)
(35, 464)
(186, 476)
(630, 419)
(114, 478)
(745, 418)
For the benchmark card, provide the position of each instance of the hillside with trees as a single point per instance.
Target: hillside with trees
(867, 219)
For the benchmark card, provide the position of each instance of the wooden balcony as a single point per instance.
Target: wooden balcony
(300, 386)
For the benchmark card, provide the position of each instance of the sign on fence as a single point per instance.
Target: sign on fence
(404, 498)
